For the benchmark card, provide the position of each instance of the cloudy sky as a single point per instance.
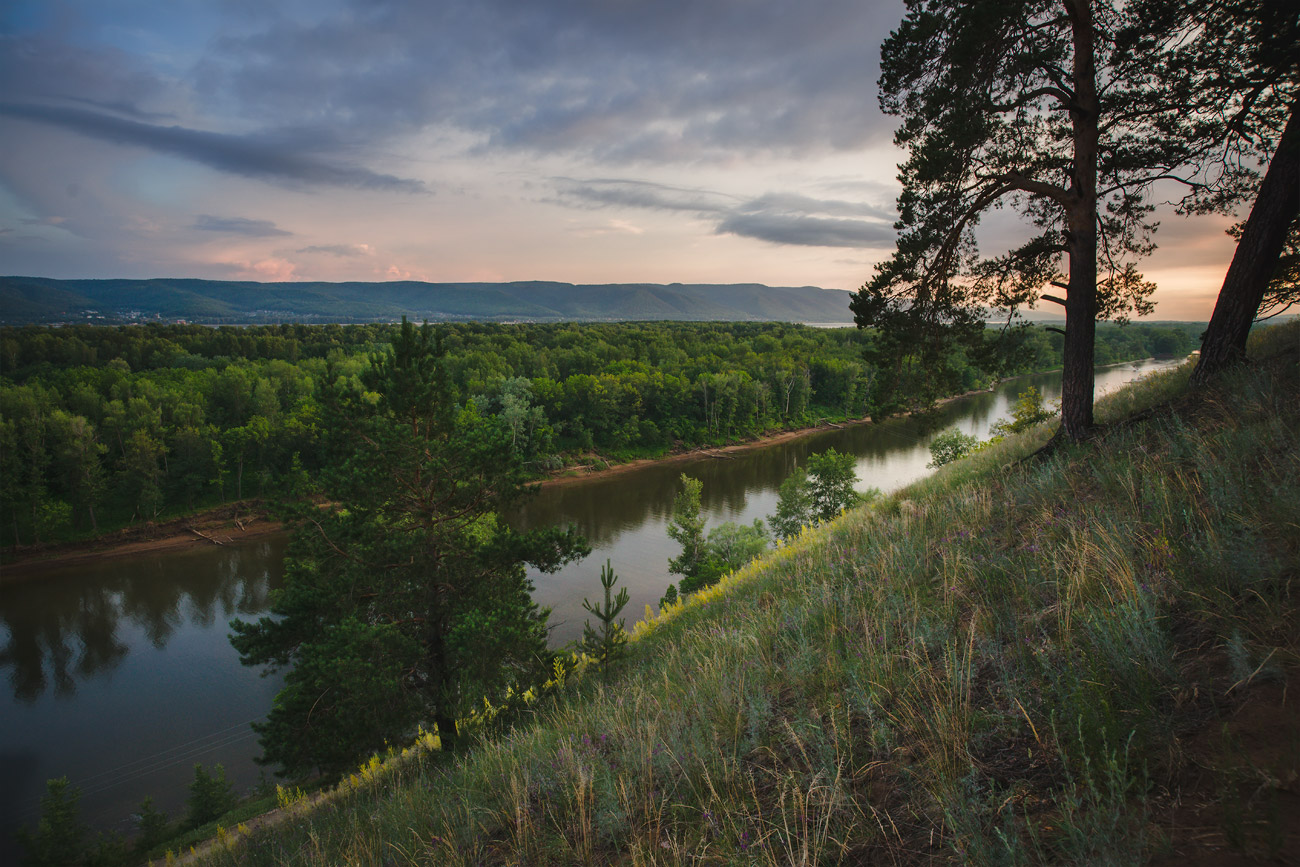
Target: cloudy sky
(451, 140)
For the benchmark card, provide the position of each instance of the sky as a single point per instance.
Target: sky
(585, 141)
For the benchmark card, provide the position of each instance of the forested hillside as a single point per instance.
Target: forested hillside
(101, 426)
(41, 300)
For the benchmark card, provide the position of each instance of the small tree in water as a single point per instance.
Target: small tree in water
(792, 505)
(686, 528)
(1027, 412)
(607, 641)
(831, 477)
(152, 824)
(210, 795)
(950, 445)
(706, 559)
(817, 494)
(60, 836)
(409, 600)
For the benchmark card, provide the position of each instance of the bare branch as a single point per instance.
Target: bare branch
(1147, 181)
(1064, 97)
(1029, 185)
(337, 550)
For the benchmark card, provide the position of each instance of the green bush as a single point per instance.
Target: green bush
(210, 795)
(950, 445)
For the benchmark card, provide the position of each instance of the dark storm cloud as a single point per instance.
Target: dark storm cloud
(251, 156)
(238, 226)
(781, 218)
(666, 80)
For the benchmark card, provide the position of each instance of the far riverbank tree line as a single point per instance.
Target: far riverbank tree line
(105, 426)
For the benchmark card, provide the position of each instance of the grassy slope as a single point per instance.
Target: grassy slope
(1003, 664)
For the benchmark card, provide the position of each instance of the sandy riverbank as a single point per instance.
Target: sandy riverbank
(570, 475)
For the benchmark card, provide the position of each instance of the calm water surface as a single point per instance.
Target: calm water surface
(119, 675)
(625, 517)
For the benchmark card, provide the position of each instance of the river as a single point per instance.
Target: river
(120, 677)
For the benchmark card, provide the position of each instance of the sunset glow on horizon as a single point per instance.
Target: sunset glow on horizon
(574, 141)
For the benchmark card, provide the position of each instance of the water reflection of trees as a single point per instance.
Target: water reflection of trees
(604, 508)
(64, 628)
(57, 630)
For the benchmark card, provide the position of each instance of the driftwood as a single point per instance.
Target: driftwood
(203, 535)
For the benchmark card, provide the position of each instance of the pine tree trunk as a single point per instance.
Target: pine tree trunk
(1081, 234)
(447, 736)
(1256, 258)
(437, 674)
(1080, 332)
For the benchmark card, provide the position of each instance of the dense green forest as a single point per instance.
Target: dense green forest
(103, 426)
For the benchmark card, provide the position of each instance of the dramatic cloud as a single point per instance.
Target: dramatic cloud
(251, 156)
(238, 226)
(601, 192)
(42, 68)
(808, 231)
(779, 218)
(793, 203)
(659, 81)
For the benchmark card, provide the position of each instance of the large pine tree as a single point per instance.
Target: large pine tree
(1235, 65)
(406, 599)
(1043, 106)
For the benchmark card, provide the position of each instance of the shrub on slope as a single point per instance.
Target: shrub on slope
(996, 665)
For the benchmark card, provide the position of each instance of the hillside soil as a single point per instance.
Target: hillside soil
(1238, 795)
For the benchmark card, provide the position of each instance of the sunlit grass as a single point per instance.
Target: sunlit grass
(990, 666)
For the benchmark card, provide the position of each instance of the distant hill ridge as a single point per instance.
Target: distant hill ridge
(25, 300)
